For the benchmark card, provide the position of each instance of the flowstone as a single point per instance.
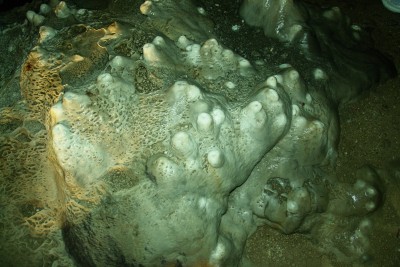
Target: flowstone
(175, 152)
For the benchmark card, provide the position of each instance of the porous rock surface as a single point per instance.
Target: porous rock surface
(168, 147)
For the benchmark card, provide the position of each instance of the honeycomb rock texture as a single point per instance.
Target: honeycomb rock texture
(151, 142)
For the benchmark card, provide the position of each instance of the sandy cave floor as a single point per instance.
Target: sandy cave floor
(370, 134)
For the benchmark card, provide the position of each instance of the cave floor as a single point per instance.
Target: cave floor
(370, 134)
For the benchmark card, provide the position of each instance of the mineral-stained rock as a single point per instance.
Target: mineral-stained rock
(175, 152)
